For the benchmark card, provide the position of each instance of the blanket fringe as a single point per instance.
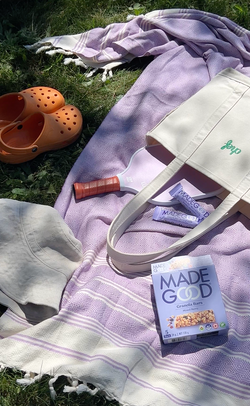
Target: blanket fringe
(73, 387)
(51, 387)
(29, 378)
(79, 388)
(78, 61)
(107, 70)
(41, 49)
(58, 51)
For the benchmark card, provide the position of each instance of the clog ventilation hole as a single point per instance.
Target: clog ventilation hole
(67, 120)
(51, 95)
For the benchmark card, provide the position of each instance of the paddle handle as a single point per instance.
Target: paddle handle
(96, 187)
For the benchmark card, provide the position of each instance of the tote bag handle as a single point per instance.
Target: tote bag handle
(142, 262)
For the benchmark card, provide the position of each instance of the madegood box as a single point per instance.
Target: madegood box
(188, 299)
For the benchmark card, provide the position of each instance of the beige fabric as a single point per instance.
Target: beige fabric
(209, 132)
(38, 254)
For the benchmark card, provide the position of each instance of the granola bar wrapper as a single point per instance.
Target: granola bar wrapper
(188, 299)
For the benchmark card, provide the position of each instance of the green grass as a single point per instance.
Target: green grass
(40, 181)
(38, 393)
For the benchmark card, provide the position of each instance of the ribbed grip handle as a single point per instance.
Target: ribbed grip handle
(95, 187)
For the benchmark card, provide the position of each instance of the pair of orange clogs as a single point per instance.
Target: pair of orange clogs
(36, 120)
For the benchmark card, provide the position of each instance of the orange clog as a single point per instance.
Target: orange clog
(17, 106)
(39, 132)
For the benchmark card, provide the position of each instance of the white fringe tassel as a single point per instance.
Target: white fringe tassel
(79, 388)
(29, 378)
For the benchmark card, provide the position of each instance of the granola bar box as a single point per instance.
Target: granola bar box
(188, 299)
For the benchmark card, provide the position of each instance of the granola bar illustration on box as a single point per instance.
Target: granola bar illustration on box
(188, 299)
(192, 319)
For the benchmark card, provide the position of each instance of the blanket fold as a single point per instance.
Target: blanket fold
(107, 332)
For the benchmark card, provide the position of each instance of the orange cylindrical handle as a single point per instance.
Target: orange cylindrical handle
(95, 187)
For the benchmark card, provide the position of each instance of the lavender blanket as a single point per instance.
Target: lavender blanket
(107, 330)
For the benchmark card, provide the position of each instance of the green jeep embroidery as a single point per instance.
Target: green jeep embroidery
(230, 146)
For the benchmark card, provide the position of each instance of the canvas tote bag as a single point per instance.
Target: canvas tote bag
(211, 133)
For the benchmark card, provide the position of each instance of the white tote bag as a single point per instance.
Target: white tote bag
(211, 133)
